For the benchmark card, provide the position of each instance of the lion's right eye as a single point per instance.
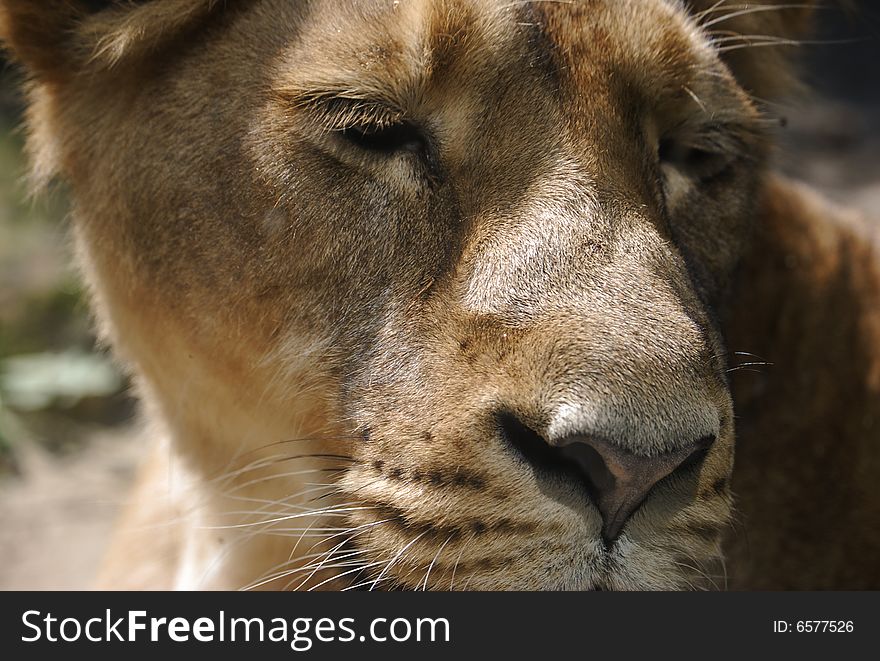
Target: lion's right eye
(386, 140)
(692, 161)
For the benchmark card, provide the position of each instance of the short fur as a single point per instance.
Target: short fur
(331, 342)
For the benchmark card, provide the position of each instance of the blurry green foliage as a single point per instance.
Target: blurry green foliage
(36, 382)
(52, 382)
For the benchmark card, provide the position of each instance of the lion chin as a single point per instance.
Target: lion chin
(452, 294)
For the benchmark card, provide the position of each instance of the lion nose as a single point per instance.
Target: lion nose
(619, 480)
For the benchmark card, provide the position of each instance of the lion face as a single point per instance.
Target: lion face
(539, 213)
(489, 240)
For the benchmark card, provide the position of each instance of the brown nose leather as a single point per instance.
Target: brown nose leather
(620, 480)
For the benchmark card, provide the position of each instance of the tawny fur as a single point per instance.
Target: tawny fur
(808, 423)
(325, 339)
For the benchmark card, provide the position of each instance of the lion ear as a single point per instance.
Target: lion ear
(757, 39)
(57, 38)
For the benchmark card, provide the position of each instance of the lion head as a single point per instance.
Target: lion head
(436, 282)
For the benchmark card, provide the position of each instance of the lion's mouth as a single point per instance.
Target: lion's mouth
(545, 520)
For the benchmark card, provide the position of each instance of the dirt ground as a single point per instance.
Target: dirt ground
(57, 515)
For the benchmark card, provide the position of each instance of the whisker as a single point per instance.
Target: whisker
(359, 568)
(696, 99)
(284, 502)
(699, 16)
(283, 518)
(746, 10)
(363, 525)
(281, 476)
(431, 566)
(744, 365)
(458, 559)
(362, 529)
(746, 353)
(276, 573)
(304, 439)
(397, 557)
(790, 42)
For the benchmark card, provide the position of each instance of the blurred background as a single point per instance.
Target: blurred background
(67, 452)
(68, 438)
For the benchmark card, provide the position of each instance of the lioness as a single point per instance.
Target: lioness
(449, 294)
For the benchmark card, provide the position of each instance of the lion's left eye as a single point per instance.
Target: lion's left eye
(694, 162)
(386, 140)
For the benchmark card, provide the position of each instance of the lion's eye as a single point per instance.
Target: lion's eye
(386, 140)
(696, 163)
